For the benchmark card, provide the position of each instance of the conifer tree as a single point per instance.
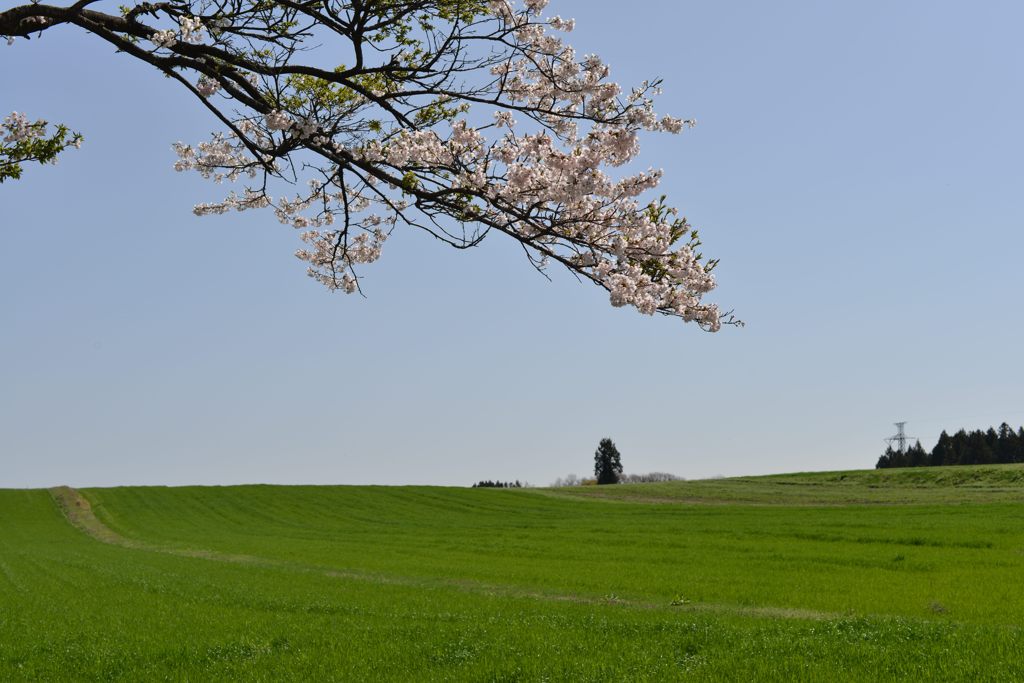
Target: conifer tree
(886, 459)
(607, 464)
(916, 455)
(942, 454)
(1006, 444)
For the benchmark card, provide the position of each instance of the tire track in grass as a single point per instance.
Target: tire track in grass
(79, 513)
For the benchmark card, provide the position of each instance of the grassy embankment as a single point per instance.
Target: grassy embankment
(911, 574)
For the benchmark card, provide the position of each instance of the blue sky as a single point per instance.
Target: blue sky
(856, 167)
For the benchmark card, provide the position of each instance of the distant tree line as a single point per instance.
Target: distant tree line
(647, 478)
(573, 480)
(488, 484)
(991, 446)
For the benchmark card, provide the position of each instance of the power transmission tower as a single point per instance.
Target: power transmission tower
(900, 439)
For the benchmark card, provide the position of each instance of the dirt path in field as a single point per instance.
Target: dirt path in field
(79, 513)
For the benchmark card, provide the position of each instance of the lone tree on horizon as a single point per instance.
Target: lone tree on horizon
(347, 118)
(607, 464)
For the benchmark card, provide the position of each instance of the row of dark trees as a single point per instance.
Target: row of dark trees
(991, 446)
(488, 484)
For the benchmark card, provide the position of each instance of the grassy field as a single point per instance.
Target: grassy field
(899, 574)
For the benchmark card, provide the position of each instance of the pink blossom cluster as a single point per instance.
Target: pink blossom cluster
(223, 157)
(164, 38)
(278, 120)
(17, 127)
(190, 30)
(207, 87)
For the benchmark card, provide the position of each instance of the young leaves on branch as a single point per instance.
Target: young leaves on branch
(22, 140)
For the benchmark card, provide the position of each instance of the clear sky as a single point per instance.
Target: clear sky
(857, 167)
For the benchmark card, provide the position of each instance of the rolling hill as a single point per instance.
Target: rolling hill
(907, 574)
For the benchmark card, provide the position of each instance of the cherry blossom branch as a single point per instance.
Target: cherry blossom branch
(419, 129)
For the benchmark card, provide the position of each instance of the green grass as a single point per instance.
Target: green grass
(903, 574)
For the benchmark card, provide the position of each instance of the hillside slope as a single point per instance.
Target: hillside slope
(906, 486)
(876, 559)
